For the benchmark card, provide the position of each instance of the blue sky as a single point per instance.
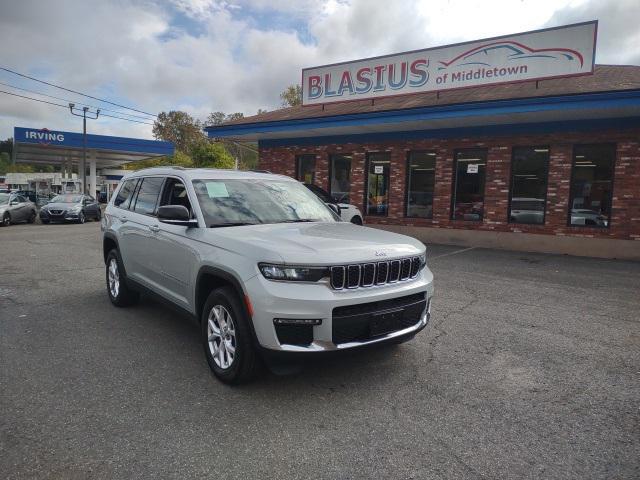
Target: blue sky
(238, 55)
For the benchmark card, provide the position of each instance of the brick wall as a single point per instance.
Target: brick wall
(625, 215)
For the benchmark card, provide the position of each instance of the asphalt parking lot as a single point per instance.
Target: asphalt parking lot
(530, 369)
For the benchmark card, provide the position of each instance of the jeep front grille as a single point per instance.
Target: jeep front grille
(369, 274)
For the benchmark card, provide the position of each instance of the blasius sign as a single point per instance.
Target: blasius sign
(553, 52)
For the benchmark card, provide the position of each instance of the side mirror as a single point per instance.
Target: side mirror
(14, 202)
(176, 215)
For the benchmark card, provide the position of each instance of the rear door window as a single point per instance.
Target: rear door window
(148, 194)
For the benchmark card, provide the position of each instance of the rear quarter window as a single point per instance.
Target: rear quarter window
(123, 198)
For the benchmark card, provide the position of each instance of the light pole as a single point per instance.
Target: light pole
(76, 111)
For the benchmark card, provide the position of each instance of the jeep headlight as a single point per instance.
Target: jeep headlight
(293, 273)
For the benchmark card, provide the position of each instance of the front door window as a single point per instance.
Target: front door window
(378, 183)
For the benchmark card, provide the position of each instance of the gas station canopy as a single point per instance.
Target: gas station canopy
(45, 146)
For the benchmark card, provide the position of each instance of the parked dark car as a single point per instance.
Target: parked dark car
(70, 207)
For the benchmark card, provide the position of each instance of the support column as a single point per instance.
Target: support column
(92, 174)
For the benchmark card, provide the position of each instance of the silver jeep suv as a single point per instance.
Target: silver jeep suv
(262, 264)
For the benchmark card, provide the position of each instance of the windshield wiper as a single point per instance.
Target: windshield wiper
(231, 224)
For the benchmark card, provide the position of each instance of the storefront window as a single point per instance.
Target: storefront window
(468, 185)
(528, 185)
(378, 183)
(420, 183)
(306, 168)
(340, 178)
(591, 185)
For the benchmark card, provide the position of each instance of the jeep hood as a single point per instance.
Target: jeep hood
(315, 243)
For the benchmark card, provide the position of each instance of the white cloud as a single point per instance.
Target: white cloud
(139, 53)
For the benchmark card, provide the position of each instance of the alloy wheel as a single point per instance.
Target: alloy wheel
(114, 278)
(221, 336)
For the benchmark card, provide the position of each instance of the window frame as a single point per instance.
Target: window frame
(614, 146)
(298, 169)
(330, 172)
(408, 177)
(454, 187)
(155, 207)
(546, 190)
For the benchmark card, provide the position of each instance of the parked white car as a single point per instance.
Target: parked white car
(262, 264)
(348, 212)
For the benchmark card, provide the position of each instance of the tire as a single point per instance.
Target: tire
(356, 220)
(32, 217)
(119, 293)
(98, 216)
(234, 331)
(81, 218)
(6, 220)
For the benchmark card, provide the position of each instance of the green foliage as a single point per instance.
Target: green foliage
(20, 168)
(218, 118)
(180, 128)
(212, 155)
(5, 162)
(292, 96)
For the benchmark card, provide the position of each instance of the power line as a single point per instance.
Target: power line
(67, 106)
(73, 101)
(75, 91)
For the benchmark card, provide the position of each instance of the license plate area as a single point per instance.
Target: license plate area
(385, 322)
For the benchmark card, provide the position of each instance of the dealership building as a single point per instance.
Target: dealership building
(518, 142)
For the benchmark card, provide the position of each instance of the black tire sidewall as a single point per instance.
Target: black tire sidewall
(2, 221)
(243, 363)
(81, 218)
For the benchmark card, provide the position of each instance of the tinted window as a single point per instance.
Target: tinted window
(420, 184)
(378, 183)
(124, 194)
(306, 165)
(340, 183)
(591, 185)
(468, 185)
(20, 198)
(528, 185)
(148, 194)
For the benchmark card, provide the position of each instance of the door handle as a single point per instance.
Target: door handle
(154, 228)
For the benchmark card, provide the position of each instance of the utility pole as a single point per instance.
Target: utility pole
(76, 111)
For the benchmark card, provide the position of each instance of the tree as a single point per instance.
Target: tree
(180, 128)
(177, 159)
(218, 118)
(261, 111)
(5, 162)
(212, 155)
(292, 96)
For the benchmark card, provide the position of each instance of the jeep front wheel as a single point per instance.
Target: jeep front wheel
(226, 337)
(119, 292)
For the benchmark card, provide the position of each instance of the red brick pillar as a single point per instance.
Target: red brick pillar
(322, 171)
(496, 189)
(443, 186)
(559, 187)
(397, 180)
(625, 208)
(358, 179)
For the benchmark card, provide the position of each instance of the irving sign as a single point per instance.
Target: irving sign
(554, 52)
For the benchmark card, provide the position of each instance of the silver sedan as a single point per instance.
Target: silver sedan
(16, 208)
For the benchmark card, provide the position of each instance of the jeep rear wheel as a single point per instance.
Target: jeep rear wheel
(226, 337)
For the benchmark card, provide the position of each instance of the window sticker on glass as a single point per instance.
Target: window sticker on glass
(217, 190)
(472, 168)
(378, 169)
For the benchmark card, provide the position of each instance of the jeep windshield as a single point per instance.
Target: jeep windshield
(228, 203)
